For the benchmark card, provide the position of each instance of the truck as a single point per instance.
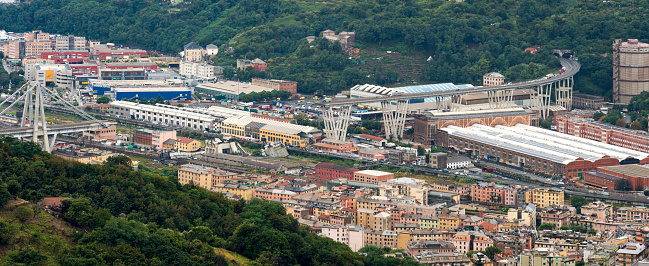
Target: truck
(326, 100)
(278, 103)
(487, 170)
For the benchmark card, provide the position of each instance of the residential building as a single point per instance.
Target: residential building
(274, 194)
(243, 191)
(193, 52)
(258, 64)
(559, 215)
(632, 213)
(437, 246)
(387, 238)
(630, 254)
(346, 39)
(438, 160)
(200, 70)
(187, 145)
(202, 176)
(458, 163)
(350, 235)
(327, 171)
(436, 259)
(601, 211)
(542, 197)
(544, 257)
(406, 186)
(493, 79)
(448, 222)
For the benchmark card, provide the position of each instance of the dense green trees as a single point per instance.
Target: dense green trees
(142, 218)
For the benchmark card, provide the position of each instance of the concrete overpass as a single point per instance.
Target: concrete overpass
(53, 130)
(394, 115)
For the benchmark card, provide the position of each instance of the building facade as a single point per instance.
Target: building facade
(278, 85)
(327, 171)
(630, 69)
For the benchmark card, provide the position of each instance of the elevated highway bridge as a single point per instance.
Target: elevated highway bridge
(395, 106)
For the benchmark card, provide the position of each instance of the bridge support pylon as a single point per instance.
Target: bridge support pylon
(394, 119)
(34, 110)
(500, 99)
(541, 99)
(563, 93)
(336, 122)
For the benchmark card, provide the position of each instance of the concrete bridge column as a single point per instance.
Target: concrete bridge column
(394, 119)
(563, 93)
(336, 128)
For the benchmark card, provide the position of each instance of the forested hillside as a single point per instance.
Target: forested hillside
(465, 40)
(126, 217)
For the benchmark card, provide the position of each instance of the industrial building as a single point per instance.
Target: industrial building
(176, 93)
(66, 56)
(152, 138)
(161, 115)
(122, 73)
(139, 89)
(427, 124)
(590, 129)
(537, 149)
(228, 89)
(607, 177)
(268, 130)
(276, 84)
(104, 54)
(630, 69)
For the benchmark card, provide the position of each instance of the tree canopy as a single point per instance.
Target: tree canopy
(143, 218)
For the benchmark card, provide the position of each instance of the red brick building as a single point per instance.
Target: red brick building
(327, 171)
(583, 127)
(258, 64)
(608, 176)
(121, 54)
(66, 56)
(145, 65)
(84, 69)
(334, 146)
(276, 84)
(426, 126)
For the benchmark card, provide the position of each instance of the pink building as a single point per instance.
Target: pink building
(274, 194)
(372, 154)
(587, 128)
(598, 209)
(350, 235)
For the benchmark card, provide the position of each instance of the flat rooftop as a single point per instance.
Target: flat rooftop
(542, 143)
(629, 170)
(232, 87)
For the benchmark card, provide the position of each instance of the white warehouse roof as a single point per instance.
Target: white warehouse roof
(543, 143)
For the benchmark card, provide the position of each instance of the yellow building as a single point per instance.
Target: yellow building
(428, 222)
(187, 144)
(205, 177)
(542, 197)
(89, 156)
(447, 222)
(245, 192)
(364, 217)
(268, 130)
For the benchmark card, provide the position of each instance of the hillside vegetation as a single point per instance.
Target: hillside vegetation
(117, 216)
(464, 40)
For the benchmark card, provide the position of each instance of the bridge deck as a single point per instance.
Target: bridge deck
(572, 67)
(60, 129)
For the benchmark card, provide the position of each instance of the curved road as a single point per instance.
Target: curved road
(572, 67)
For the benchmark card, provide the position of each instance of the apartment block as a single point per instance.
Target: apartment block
(205, 177)
(544, 197)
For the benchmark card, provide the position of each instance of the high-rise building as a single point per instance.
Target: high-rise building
(630, 69)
